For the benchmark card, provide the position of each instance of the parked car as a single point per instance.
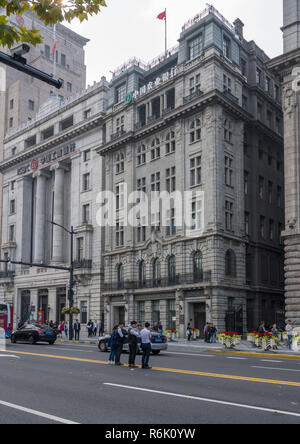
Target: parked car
(33, 333)
(158, 343)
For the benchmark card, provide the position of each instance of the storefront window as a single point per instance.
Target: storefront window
(83, 312)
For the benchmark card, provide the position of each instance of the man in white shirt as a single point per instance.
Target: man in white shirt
(289, 330)
(146, 345)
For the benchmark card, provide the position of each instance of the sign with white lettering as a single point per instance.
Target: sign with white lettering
(158, 81)
(45, 159)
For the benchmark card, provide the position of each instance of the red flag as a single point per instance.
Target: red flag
(162, 15)
(54, 46)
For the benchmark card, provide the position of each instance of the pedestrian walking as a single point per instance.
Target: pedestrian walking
(112, 345)
(95, 328)
(289, 330)
(213, 334)
(189, 332)
(133, 336)
(120, 338)
(101, 328)
(146, 345)
(66, 329)
(61, 328)
(77, 329)
(262, 328)
(90, 327)
(275, 332)
(206, 332)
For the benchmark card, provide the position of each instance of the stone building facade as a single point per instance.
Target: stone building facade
(54, 176)
(21, 96)
(287, 67)
(205, 118)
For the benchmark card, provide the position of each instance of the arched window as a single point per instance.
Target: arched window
(156, 274)
(197, 266)
(120, 275)
(172, 269)
(142, 273)
(230, 263)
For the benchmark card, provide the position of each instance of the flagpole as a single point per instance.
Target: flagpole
(54, 53)
(166, 43)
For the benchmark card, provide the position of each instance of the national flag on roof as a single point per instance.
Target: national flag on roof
(162, 15)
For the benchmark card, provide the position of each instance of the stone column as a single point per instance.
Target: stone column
(58, 213)
(40, 217)
(179, 311)
(164, 313)
(34, 300)
(52, 303)
(148, 312)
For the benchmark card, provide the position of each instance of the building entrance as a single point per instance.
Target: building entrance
(200, 317)
(25, 305)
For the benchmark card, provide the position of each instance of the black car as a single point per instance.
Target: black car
(33, 333)
(158, 343)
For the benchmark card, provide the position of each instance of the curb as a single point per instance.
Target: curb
(270, 355)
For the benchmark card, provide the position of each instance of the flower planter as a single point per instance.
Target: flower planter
(229, 340)
(267, 344)
(296, 344)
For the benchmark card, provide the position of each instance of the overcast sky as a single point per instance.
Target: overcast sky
(128, 28)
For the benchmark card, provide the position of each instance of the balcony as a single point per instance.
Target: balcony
(7, 274)
(117, 135)
(86, 264)
(152, 119)
(184, 279)
(193, 96)
(231, 96)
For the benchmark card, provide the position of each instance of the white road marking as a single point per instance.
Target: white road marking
(269, 360)
(233, 357)
(9, 356)
(36, 413)
(187, 354)
(273, 368)
(215, 401)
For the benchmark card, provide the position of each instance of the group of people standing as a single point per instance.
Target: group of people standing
(274, 330)
(117, 340)
(92, 328)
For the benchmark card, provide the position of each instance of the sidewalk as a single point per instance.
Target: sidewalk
(244, 346)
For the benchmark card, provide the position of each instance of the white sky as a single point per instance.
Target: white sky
(128, 28)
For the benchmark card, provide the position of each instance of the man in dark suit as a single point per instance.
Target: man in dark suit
(77, 329)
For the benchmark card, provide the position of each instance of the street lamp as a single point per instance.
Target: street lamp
(71, 279)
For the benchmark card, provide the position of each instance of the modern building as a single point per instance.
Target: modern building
(287, 67)
(21, 96)
(53, 175)
(205, 117)
(203, 121)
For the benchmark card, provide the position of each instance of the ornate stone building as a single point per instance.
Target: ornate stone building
(205, 118)
(287, 67)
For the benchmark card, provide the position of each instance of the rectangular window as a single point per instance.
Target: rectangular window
(87, 114)
(155, 182)
(120, 93)
(86, 214)
(262, 226)
(247, 224)
(171, 179)
(141, 155)
(228, 171)
(63, 59)
(279, 197)
(259, 112)
(195, 171)
(79, 253)
(87, 155)
(258, 76)
(69, 87)
(12, 206)
(120, 163)
(66, 123)
(271, 229)
(261, 184)
(270, 192)
(119, 235)
(11, 104)
(31, 105)
(47, 133)
(83, 312)
(86, 182)
(11, 122)
(226, 47)
(197, 214)
(47, 51)
(228, 215)
(11, 233)
(120, 197)
(31, 141)
(246, 182)
(195, 47)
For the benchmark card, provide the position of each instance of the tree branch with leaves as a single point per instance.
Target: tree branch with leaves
(50, 12)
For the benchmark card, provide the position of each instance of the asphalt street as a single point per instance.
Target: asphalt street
(70, 383)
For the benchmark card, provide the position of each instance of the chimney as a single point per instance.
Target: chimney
(239, 27)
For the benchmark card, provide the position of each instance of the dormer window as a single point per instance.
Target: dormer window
(195, 47)
(226, 47)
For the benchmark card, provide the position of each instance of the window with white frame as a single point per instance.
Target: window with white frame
(197, 214)
(195, 47)
(195, 171)
(120, 163)
(228, 215)
(170, 142)
(155, 181)
(195, 130)
(141, 155)
(155, 149)
(228, 130)
(120, 197)
(171, 179)
(119, 234)
(228, 171)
